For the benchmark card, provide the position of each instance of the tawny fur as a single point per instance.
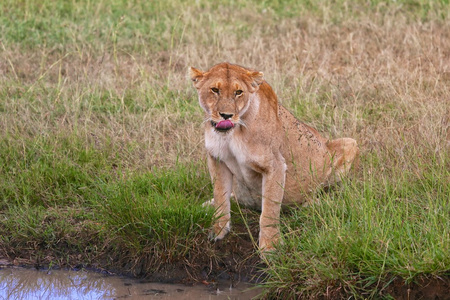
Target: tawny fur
(268, 158)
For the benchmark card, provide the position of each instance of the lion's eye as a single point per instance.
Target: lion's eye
(238, 92)
(215, 90)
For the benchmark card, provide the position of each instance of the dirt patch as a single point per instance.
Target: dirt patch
(437, 288)
(234, 258)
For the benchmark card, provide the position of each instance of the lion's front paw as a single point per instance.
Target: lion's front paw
(219, 231)
(268, 239)
(266, 246)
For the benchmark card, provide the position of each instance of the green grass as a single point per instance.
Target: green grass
(159, 213)
(364, 235)
(137, 25)
(61, 196)
(101, 150)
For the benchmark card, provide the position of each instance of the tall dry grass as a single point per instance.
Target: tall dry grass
(382, 78)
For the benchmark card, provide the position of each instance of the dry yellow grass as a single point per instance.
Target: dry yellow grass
(382, 78)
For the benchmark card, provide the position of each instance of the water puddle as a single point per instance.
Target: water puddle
(18, 283)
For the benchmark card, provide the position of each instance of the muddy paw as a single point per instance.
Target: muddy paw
(218, 232)
(266, 247)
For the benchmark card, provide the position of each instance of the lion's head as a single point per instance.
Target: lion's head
(225, 92)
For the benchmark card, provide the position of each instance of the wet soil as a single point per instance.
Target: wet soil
(423, 288)
(233, 260)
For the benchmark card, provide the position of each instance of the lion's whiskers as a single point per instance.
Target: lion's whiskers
(242, 123)
(206, 120)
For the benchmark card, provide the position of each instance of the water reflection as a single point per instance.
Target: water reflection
(17, 283)
(34, 284)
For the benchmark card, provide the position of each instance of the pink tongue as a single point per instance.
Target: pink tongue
(225, 124)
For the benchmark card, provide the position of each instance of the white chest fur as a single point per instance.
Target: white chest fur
(225, 146)
(218, 145)
(229, 149)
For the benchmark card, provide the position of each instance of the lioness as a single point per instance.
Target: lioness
(260, 151)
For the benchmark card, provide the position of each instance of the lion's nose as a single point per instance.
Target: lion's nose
(226, 116)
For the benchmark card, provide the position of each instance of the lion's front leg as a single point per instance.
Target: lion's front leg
(222, 179)
(272, 197)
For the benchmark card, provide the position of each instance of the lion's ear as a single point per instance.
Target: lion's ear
(258, 78)
(196, 75)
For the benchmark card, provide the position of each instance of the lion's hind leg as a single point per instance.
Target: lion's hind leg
(344, 155)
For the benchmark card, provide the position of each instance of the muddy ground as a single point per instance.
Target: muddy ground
(233, 259)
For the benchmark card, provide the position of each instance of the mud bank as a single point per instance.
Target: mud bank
(233, 260)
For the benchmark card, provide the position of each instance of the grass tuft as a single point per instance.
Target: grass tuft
(159, 213)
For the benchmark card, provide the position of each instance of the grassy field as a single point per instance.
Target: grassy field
(101, 148)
